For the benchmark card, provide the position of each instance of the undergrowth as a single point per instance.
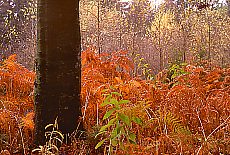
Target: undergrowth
(183, 110)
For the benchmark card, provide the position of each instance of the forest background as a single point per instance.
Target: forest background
(174, 31)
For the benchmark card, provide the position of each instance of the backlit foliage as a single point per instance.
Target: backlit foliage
(187, 114)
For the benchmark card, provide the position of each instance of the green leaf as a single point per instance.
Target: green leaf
(137, 120)
(113, 101)
(175, 84)
(106, 101)
(132, 138)
(103, 128)
(99, 133)
(114, 133)
(104, 90)
(111, 122)
(124, 118)
(183, 64)
(108, 114)
(123, 101)
(186, 73)
(121, 145)
(118, 129)
(174, 76)
(116, 93)
(114, 142)
(100, 143)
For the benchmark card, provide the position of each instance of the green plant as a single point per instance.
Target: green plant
(118, 128)
(176, 70)
(54, 137)
(143, 68)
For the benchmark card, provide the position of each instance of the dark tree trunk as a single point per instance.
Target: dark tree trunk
(58, 67)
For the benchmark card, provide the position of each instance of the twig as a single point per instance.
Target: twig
(201, 126)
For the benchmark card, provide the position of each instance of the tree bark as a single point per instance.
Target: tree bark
(58, 67)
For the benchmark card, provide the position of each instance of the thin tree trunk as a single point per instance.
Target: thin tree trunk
(98, 28)
(160, 48)
(58, 67)
(228, 3)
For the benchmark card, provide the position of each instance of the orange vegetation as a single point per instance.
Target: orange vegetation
(188, 114)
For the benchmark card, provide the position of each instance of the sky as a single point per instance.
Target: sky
(154, 2)
(157, 2)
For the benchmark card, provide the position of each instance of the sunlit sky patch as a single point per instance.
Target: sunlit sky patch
(156, 3)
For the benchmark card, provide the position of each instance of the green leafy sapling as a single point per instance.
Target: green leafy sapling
(119, 124)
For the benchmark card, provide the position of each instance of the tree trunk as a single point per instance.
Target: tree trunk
(228, 3)
(58, 67)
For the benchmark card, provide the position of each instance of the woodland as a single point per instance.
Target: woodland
(154, 78)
